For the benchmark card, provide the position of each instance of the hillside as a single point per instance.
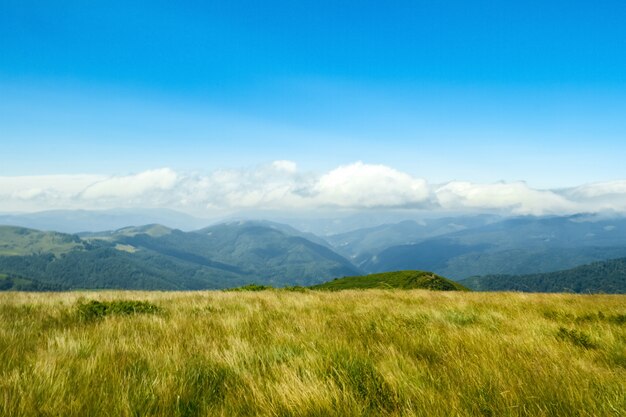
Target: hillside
(156, 257)
(521, 245)
(263, 252)
(105, 266)
(19, 241)
(405, 280)
(17, 283)
(284, 228)
(598, 277)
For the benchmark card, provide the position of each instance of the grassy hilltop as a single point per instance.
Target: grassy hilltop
(312, 353)
(406, 280)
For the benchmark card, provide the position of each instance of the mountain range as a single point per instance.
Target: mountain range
(157, 257)
(521, 245)
(75, 221)
(236, 253)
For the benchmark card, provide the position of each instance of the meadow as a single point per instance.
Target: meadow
(312, 353)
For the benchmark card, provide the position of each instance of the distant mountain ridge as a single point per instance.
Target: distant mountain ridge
(76, 221)
(157, 257)
(358, 245)
(512, 246)
(598, 277)
(154, 256)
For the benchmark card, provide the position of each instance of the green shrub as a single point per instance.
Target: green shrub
(251, 287)
(93, 309)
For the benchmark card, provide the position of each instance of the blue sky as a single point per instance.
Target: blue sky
(476, 91)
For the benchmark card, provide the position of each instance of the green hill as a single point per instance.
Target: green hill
(152, 230)
(18, 241)
(16, 283)
(155, 257)
(399, 279)
(598, 277)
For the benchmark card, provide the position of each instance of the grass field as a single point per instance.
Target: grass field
(312, 353)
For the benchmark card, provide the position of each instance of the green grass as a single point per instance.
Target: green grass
(312, 353)
(399, 279)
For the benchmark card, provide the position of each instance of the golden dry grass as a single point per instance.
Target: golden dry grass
(348, 353)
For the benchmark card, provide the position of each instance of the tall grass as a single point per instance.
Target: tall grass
(280, 353)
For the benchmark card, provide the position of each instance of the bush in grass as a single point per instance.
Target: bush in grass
(94, 309)
(296, 288)
(251, 287)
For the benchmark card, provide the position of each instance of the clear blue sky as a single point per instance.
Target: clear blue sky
(480, 91)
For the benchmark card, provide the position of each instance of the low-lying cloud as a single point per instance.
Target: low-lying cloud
(515, 197)
(282, 186)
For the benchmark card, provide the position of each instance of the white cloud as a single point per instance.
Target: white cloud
(599, 189)
(360, 185)
(66, 184)
(276, 185)
(286, 166)
(132, 185)
(280, 185)
(600, 196)
(42, 192)
(515, 197)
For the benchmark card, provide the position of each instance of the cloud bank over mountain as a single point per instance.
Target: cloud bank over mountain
(282, 186)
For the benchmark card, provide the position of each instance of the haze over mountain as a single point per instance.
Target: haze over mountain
(75, 221)
(324, 223)
(360, 244)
